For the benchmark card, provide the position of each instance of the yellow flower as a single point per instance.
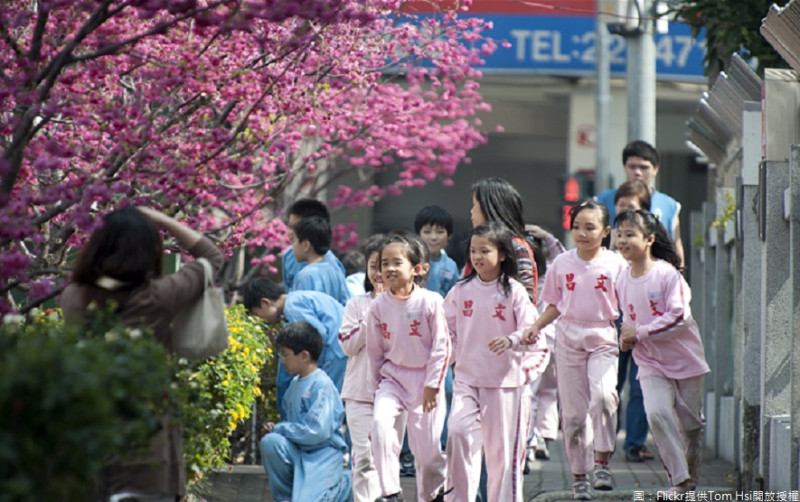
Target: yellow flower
(240, 408)
(234, 415)
(232, 425)
(257, 391)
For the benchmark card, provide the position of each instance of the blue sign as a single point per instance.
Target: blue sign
(561, 45)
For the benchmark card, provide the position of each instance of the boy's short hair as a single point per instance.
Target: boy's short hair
(306, 208)
(300, 336)
(315, 230)
(353, 262)
(434, 215)
(259, 288)
(643, 149)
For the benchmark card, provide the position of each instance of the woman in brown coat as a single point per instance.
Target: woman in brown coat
(122, 262)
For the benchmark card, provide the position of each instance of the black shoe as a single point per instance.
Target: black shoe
(441, 494)
(396, 497)
(407, 468)
(634, 455)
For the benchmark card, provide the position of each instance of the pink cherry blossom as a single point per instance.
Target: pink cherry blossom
(220, 112)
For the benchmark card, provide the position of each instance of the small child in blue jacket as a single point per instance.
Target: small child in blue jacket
(302, 455)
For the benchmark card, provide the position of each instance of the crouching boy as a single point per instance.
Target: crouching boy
(303, 454)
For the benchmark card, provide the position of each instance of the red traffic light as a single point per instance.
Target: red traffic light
(572, 190)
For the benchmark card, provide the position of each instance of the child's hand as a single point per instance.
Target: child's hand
(537, 231)
(530, 335)
(627, 337)
(267, 428)
(499, 344)
(430, 398)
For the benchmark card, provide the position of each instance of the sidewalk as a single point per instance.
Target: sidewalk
(549, 481)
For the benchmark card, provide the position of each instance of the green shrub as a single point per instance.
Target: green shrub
(218, 393)
(70, 398)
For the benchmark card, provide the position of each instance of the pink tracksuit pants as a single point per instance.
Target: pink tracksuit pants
(398, 400)
(495, 420)
(586, 367)
(673, 413)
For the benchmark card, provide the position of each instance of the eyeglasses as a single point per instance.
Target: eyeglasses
(282, 357)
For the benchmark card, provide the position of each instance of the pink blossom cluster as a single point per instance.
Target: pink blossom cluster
(218, 112)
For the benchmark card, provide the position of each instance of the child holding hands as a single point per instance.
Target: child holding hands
(666, 344)
(579, 291)
(487, 312)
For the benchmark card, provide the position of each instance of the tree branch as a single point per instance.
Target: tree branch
(38, 31)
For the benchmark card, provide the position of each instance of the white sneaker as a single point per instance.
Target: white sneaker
(581, 490)
(542, 452)
(602, 478)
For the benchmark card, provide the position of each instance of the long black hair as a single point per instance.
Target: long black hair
(499, 235)
(662, 248)
(600, 208)
(501, 202)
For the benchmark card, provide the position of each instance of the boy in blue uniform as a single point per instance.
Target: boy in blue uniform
(434, 225)
(302, 455)
(301, 209)
(311, 239)
(268, 301)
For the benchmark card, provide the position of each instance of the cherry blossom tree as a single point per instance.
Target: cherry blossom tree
(218, 111)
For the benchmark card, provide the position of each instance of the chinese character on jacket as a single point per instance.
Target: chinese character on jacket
(414, 331)
(571, 282)
(467, 308)
(498, 311)
(654, 309)
(601, 283)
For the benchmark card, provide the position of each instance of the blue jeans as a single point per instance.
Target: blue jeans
(635, 418)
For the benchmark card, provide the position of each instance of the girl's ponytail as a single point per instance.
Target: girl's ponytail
(663, 247)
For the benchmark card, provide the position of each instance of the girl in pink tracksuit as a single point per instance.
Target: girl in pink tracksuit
(544, 403)
(487, 312)
(408, 347)
(666, 344)
(358, 396)
(580, 289)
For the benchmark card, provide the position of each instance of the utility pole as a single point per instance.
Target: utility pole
(602, 103)
(641, 74)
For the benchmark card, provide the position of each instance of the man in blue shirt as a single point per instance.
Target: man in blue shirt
(641, 161)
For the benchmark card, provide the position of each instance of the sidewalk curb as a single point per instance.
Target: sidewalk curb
(624, 494)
